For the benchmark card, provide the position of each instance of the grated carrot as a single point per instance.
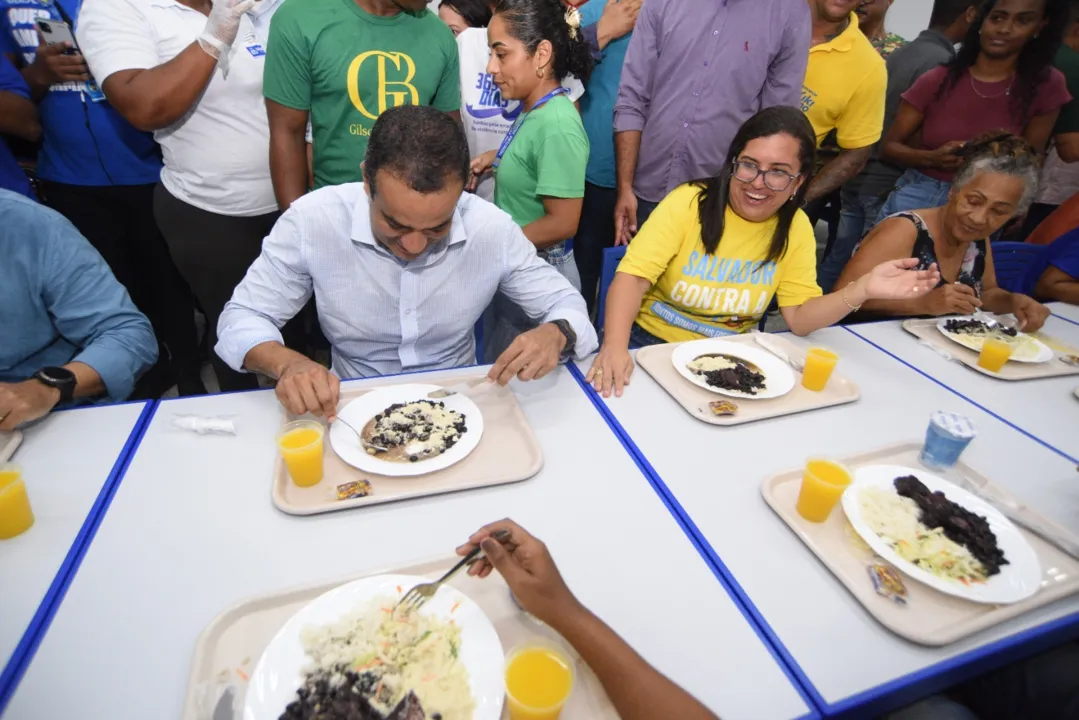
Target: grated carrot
(455, 606)
(242, 674)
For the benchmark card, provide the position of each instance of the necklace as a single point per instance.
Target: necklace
(1007, 90)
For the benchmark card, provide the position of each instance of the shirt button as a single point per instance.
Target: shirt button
(408, 312)
(685, 125)
(706, 63)
(715, 32)
(696, 94)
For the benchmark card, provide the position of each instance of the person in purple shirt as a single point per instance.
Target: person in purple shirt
(695, 70)
(18, 118)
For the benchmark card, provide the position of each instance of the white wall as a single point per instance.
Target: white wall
(908, 17)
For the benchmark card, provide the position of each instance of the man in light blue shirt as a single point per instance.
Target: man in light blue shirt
(401, 266)
(68, 330)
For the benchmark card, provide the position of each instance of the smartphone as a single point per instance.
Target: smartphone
(56, 32)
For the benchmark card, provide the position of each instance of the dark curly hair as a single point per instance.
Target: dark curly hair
(533, 21)
(1003, 153)
(1035, 59)
(715, 192)
(477, 13)
(424, 147)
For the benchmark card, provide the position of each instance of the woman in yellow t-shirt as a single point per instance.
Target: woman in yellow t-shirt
(713, 253)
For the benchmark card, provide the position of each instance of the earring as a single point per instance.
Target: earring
(539, 72)
(791, 198)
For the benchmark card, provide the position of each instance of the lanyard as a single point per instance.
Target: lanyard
(520, 121)
(63, 13)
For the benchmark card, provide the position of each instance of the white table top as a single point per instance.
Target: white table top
(716, 473)
(1046, 408)
(66, 459)
(191, 531)
(1065, 310)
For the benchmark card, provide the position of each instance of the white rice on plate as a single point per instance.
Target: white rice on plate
(413, 651)
(895, 520)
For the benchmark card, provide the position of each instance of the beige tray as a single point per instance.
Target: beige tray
(930, 617)
(926, 331)
(656, 361)
(231, 645)
(9, 443)
(508, 452)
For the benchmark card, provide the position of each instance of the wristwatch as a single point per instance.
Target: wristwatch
(59, 378)
(571, 337)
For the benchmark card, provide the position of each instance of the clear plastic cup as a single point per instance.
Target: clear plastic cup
(994, 354)
(300, 444)
(946, 438)
(823, 484)
(819, 365)
(540, 676)
(16, 517)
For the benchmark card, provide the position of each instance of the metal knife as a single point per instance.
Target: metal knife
(465, 388)
(775, 347)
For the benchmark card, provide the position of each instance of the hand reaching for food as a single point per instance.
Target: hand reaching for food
(527, 567)
(1030, 313)
(304, 386)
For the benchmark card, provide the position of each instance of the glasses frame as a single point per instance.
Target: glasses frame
(760, 172)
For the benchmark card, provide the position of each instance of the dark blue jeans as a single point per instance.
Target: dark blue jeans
(639, 338)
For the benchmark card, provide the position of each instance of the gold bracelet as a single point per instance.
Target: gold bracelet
(853, 308)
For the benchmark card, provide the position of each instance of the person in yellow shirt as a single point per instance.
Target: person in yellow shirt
(714, 253)
(844, 90)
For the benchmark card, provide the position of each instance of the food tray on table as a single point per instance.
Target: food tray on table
(507, 452)
(656, 361)
(929, 616)
(926, 331)
(230, 646)
(9, 443)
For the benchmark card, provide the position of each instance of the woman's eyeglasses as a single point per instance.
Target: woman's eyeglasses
(747, 172)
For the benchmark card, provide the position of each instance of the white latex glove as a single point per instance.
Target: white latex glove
(222, 26)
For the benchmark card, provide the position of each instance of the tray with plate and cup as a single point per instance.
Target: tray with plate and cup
(731, 381)
(248, 662)
(963, 337)
(396, 443)
(916, 580)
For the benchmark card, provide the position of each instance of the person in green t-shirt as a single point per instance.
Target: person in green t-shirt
(539, 169)
(342, 63)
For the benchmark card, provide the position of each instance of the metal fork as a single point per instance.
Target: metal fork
(363, 443)
(415, 598)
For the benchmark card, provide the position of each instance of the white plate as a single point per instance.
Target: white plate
(1016, 581)
(360, 411)
(1023, 354)
(278, 674)
(778, 376)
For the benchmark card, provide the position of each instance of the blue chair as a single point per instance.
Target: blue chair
(1013, 262)
(611, 257)
(478, 330)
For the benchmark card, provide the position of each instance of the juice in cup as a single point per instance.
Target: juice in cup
(823, 483)
(994, 354)
(16, 517)
(539, 680)
(818, 368)
(300, 444)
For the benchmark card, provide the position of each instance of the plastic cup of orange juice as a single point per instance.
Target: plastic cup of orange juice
(823, 483)
(819, 365)
(994, 354)
(300, 443)
(539, 680)
(16, 517)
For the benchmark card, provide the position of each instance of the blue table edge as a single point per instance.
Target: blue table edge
(895, 693)
(890, 695)
(23, 653)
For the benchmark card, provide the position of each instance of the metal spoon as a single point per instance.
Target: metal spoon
(359, 436)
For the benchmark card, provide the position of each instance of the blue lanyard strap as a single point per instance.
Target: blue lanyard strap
(520, 121)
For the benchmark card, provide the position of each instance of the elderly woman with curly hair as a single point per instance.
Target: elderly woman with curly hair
(996, 182)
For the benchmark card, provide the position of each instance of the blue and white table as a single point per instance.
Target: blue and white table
(1047, 408)
(714, 475)
(191, 531)
(1064, 310)
(69, 461)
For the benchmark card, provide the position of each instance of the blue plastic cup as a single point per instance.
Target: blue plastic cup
(946, 438)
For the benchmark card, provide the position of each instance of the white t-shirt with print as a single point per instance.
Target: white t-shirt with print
(217, 157)
(486, 116)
